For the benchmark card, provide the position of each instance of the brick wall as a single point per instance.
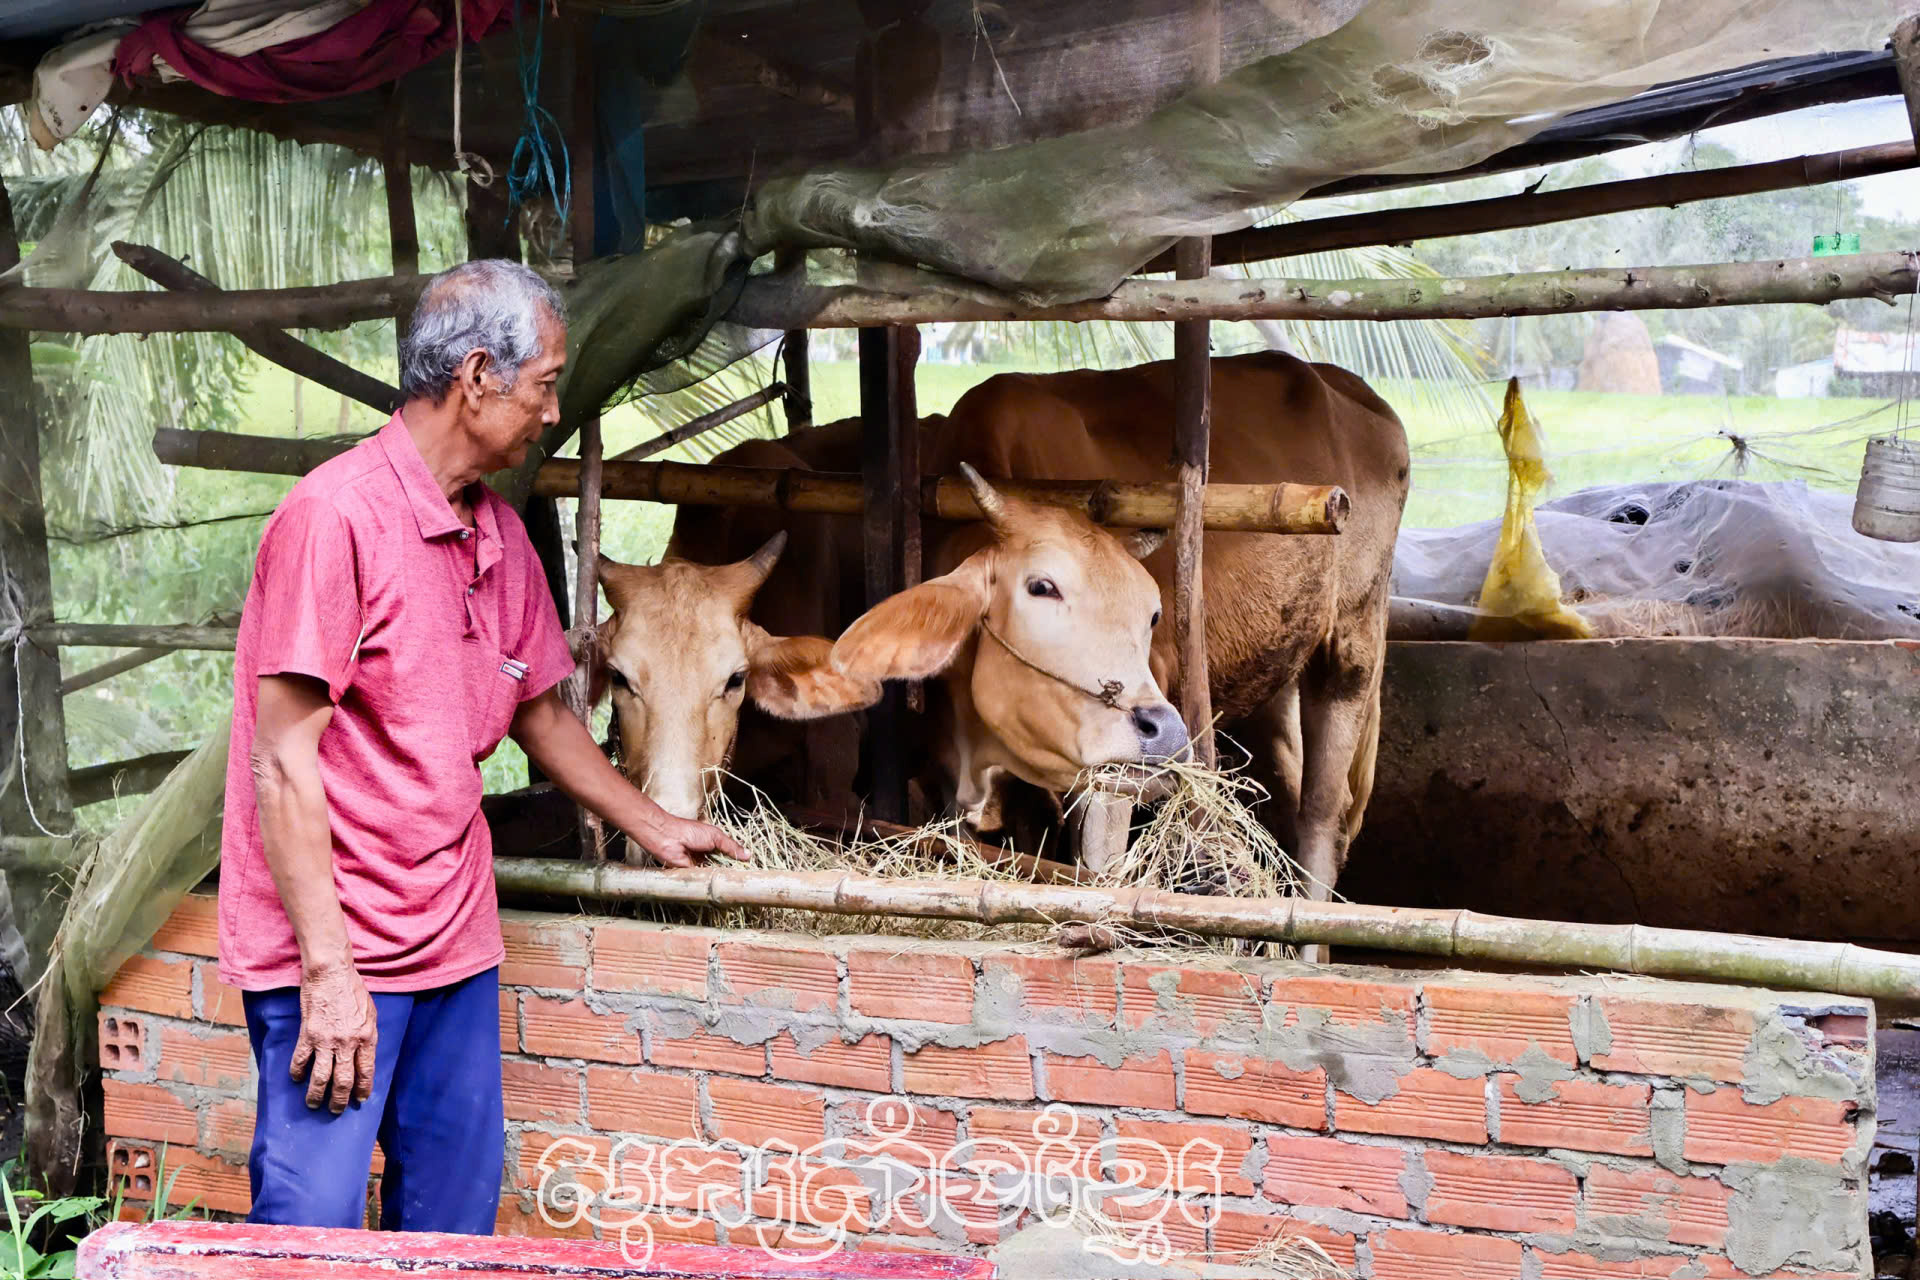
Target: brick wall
(715, 1086)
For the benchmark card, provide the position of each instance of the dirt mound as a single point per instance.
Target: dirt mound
(1619, 357)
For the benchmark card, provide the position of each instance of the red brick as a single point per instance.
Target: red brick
(539, 1093)
(865, 1064)
(897, 1129)
(1145, 1082)
(1660, 1038)
(765, 1115)
(1580, 1266)
(1724, 1128)
(543, 953)
(705, 1050)
(1581, 1116)
(778, 977)
(142, 1171)
(148, 984)
(1236, 1234)
(509, 1022)
(569, 1029)
(780, 1239)
(986, 1213)
(1502, 1022)
(1086, 990)
(927, 986)
(651, 959)
(1183, 1158)
(1346, 1003)
(1202, 1002)
(643, 1102)
(1229, 1084)
(1329, 1174)
(216, 1060)
(677, 1176)
(808, 1191)
(514, 1219)
(123, 1043)
(1055, 1142)
(1430, 1255)
(1183, 1223)
(229, 1127)
(634, 1230)
(149, 1111)
(1430, 1104)
(564, 1159)
(1688, 1210)
(1501, 1193)
(193, 929)
(1002, 1069)
(219, 1002)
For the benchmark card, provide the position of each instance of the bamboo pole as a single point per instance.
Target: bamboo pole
(1729, 284)
(1241, 508)
(108, 670)
(108, 635)
(283, 349)
(695, 427)
(1815, 281)
(1532, 209)
(1836, 968)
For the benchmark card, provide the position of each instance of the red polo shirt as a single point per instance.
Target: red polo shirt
(428, 636)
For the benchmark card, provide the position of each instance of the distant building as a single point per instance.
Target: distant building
(1879, 364)
(1807, 380)
(1687, 368)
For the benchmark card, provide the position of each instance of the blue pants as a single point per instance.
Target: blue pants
(436, 1110)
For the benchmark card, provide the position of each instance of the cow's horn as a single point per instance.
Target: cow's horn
(992, 505)
(745, 577)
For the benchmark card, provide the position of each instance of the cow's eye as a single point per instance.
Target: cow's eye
(619, 680)
(737, 681)
(1156, 620)
(1043, 588)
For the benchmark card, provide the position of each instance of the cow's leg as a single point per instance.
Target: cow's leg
(1339, 720)
(1271, 738)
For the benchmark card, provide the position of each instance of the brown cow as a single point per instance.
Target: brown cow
(1031, 619)
(687, 645)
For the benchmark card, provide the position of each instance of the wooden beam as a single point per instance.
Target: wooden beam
(108, 670)
(1192, 428)
(1244, 508)
(693, 428)
(1532, 209)
(402, 229)
(882, 485)
(33, 732)
(283, 349)
(135, 777)
(114, 635)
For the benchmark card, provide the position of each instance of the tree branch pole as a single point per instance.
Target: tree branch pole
(403, 229)
(1243, 508)
(1906, 64)
(694, 427)
(1192, 427)
(133, 777)
(1814, 281)
(108, 670)
(283, 349)
(1832, 967)
(1504, 213)
(113, 635)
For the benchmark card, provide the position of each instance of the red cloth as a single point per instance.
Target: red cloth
(419, 627)
(379, 44)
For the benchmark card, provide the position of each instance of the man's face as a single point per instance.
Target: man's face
(507, 423)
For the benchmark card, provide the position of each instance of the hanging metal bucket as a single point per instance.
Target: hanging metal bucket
(1887, 504)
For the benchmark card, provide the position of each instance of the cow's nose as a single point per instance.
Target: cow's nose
(1162, 733)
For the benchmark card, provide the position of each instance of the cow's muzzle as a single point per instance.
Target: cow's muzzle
(1162, 733)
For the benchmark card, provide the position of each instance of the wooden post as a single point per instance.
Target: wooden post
(33, 733)
(400, 221)
(795, 373)
(884, 483)
(1906, 62)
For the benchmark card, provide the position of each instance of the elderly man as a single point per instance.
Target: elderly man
(397, 628)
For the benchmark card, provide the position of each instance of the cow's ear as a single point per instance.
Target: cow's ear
(792, 677)
(1142, 543)
(598, 669)
(919, 632)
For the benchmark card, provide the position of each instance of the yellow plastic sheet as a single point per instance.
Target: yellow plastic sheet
(1520, 600)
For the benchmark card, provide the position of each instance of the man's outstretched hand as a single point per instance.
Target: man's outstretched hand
(676, 842)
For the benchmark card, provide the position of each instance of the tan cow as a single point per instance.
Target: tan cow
(689, 645)
(1050, 639)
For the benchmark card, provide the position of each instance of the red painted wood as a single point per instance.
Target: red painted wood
(241, 1251)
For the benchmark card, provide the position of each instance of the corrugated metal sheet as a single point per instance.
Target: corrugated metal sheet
(23, 19)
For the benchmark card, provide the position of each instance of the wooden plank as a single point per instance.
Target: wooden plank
(33, 733)
(232, 1251)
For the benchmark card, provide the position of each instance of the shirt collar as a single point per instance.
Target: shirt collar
(431, 509)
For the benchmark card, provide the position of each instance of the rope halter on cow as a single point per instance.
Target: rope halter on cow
(1107, 695)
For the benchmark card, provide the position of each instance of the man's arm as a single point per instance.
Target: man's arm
(555, 740)
(338, 1029)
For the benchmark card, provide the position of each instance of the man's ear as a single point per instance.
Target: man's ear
(792, 677)
(470, 379)
(919, 632)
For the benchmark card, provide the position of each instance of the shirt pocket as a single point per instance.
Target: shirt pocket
(493, 696)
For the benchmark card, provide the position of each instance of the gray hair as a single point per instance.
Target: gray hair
(491, 305)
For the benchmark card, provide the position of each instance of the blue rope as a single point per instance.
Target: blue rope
(532, 169)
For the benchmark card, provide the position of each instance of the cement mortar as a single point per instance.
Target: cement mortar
(1795, 1212)
(1782, 1060)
